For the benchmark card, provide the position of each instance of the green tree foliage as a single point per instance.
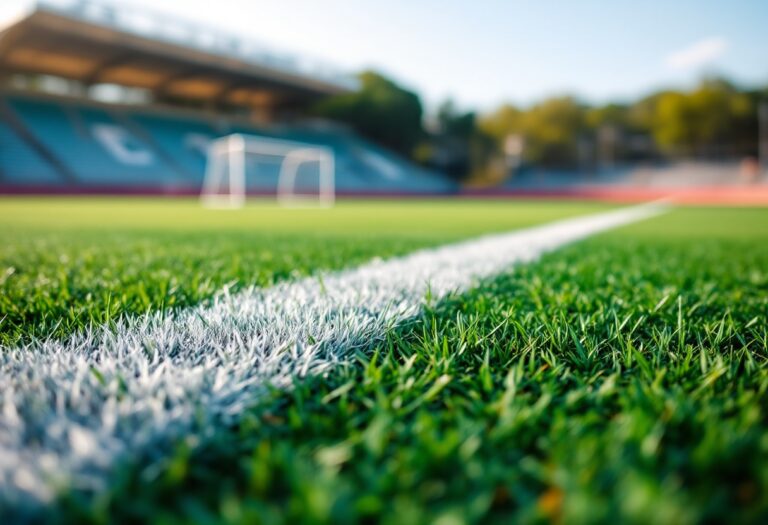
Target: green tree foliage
(704, 120)
(608, 115)
(506, 120)
(641, 114)
(716, 119)
(380, 110)
(551, 129)
(454, 123)
(456, 145)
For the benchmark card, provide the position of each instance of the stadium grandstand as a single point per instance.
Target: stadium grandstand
(98, 98)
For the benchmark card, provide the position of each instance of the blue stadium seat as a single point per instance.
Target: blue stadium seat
(91, 144)
(154, 150)
(365, 167)
(20, 164)
(182, 138)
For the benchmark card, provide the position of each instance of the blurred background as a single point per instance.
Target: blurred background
(623, 101)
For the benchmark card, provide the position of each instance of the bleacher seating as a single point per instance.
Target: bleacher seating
(182, 138)
(165, 150)
(363, 166)
(20, 165)
(92, 145)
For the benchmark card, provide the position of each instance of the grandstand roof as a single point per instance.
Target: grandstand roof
(95, 42)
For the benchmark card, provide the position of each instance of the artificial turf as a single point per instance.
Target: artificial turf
(623, 378)
(66, 263)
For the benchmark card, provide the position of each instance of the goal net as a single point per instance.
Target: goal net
(235, 158)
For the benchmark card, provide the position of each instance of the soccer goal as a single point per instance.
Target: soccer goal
(229, 164)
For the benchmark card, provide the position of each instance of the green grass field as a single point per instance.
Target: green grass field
(623, 378)
(67, 263)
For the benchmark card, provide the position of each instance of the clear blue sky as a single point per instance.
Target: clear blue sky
(483, 52)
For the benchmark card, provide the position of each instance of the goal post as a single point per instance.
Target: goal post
(225, 182)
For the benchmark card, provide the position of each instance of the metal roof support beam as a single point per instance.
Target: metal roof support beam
(163, 87)
(117, 60)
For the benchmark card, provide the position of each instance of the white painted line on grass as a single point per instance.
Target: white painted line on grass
(71, 409)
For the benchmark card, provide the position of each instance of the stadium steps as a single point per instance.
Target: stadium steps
(24, 159)
(147, 138)
(371, 167)
(69, 132)
(180, 138)
(351, 175)
(155, 171)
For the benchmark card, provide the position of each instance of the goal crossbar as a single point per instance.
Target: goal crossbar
(227, 164)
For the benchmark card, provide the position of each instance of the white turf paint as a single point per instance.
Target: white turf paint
(71, 409)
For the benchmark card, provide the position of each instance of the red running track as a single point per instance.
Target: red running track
(756, 195)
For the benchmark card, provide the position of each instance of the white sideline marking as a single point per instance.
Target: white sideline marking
(71, 409)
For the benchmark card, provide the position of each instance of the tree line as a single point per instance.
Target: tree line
(714, 120)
